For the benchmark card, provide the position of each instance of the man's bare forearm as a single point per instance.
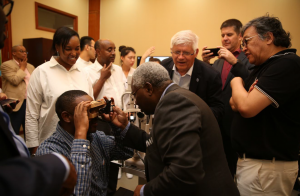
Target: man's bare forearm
(98, 87)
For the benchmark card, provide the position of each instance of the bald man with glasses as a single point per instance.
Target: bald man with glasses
(15, 77)
(192, 74)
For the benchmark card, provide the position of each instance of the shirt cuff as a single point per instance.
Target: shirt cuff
(142, 191)
(32, 144)
(65, 162)
(123, 133)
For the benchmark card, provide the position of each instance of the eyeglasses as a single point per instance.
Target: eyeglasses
(245, 41)
(185, 54)
(7, 8)
(21, 51)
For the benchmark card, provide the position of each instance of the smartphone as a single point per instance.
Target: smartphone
(11, 102)
(214, 51)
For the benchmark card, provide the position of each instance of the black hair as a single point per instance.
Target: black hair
(126, 50)
(62, 37)
(152, 59)
(65, 102)
(233, 23)
(121, 48)
(85, 40)
(265, 24)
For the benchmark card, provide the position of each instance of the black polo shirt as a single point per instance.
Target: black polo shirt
(275, 131)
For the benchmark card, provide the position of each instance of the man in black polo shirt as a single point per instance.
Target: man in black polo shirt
(266, 129)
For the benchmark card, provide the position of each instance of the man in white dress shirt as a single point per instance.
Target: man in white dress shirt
(88, 53)
(106, 77)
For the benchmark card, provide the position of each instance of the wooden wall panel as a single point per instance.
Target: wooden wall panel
(94, 19)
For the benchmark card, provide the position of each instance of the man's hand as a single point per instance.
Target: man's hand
(117, 117)
(106, 72)
(23, 64)
(148, 52)
(33, 150)
(69, 184)
(81, 120)
(232, 105)
(3, 96)
(206, 55)
(137, 190)
(252, 86)
(227, 55)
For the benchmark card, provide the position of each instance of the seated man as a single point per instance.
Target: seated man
(89, 150)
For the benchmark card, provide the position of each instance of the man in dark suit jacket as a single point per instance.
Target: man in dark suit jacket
(190, 73)
(19, 174)
(232, 63)
(184, 152)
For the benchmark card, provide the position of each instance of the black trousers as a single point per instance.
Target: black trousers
(18, 118)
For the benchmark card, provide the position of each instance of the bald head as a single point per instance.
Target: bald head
(106, 51)
(19, 52)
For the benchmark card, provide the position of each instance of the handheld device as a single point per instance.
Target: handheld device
(101, 106)
(214, 51)
(11, 102)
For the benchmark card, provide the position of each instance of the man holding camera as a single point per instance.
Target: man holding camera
(77, 138)
(232, 62)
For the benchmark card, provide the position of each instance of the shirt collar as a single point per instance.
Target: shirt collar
(163, 94)
(237, 52)
(281, 53)
(53, 62)
(189, 72)
(16, 61)
(98, 66)
(67, 136)
(81, 60)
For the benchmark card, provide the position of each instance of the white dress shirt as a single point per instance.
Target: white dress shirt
(113, 86)
(82, 63)
(182, 81)
(127, 96)
(47, 82)
(130, 73)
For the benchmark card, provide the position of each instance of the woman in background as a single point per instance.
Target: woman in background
(127, 61)
(48, 81)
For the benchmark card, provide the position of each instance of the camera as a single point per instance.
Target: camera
(101, 106)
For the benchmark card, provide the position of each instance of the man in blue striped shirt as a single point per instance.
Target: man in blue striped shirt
(89, 150)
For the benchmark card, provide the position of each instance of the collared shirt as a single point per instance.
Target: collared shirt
(130, 73)
(48, 81)
(183, 81)
(91, 157)
(227, 67)
(113, 86)
(26, 78)
(126, 97)
(82, 63)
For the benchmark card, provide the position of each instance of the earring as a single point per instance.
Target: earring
(57, 53)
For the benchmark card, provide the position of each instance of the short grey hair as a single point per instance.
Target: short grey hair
(185, 37)
(151, 72)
